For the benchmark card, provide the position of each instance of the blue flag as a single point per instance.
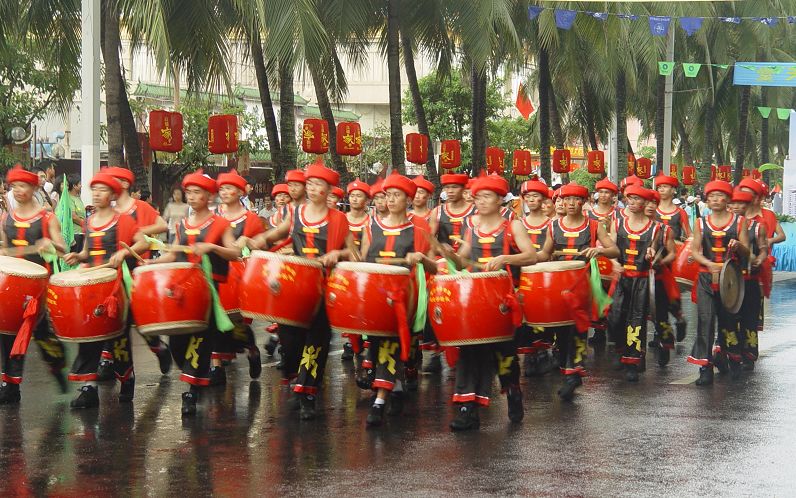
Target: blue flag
(733, 20)
(791, 19)
(534, 11)
(565, 18)
(629, 17)
(768, 21)
(690, 24)
(659, 25)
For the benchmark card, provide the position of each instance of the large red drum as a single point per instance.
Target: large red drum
(362, 298)
(541, 292)
(283, 289)
(229, 291)
(472, 308)
(21, 281)
(170, 299)
(685, 269)
(87, 305)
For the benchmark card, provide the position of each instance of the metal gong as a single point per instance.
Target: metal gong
(731, 286)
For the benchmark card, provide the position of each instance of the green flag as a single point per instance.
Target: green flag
(764, 111)
(422, 300)
(599, 296)
(783, 114)
(665, 68)
(691, 69)
(63, 212)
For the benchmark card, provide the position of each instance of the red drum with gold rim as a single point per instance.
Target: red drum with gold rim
(542, 288)
(229, 291)
(685, 269)
(21, 281)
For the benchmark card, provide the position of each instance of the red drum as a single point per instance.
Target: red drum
(170, 299)
(685, 269)
(442, 266)
(361, 298)
(87, 305)
(229, 291)
(472, 308)
(541, 289)
(21, 281)
(284, 289)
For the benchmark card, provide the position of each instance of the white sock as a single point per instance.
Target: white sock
(378, 401)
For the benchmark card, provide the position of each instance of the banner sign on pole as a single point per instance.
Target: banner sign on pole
(765, 74)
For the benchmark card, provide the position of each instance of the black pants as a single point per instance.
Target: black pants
(627, 321)
(84, 368)
(751, 319)
(571, 346)
(192, 352)
(305, 352)
(663, 308)
(533, 339)
(52, 350)
(237, 340)
(710, 313)
(389, 367)
(476, 368)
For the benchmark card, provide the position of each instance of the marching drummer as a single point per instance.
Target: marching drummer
(425, 191)
(605, 209)
(207, 234)
(335, 196)
(296, 186)
(717, 238)
(574, 237)
(358, 221)
(29, 225)
(379, 199)
(490, 244)
(548, 206)
(281, 196)
(106, 230)
(317, 233)
(396, 236)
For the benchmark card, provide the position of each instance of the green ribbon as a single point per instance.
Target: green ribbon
(154, 244)
(52, 259)
(601, 299)
(665, 68)
(127, 279)
(245, 252)
(691, 70)
(764, 111)
(422, 300)
(223, 323)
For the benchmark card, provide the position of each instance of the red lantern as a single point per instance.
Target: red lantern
(349, 139)
(416, 148)
(521, 162)
(450, 155)
(689, 175)
(222, 133)
(644, 168)
(561, 160)
(724, 173)
(596, 162)
(745, 172)
(315, 136)
(756, 174)
(631, 164)
(165, 131)
(673, 170)
(495, 158)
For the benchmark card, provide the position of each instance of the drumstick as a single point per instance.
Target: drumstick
(135, 254)
(92, 268)
(449, 255)
(355, 256)
(563, 253)
(391, 261)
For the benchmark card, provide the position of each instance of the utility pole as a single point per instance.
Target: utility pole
(667, 108)
(89, 94)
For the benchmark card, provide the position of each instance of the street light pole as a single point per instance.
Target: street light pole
(90, 93)
(667, 109)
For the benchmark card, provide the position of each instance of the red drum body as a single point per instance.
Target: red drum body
(541, 288)
(21, 282)
(170, 299)
(229, 291)
(685, 269)
(472, 308)
(608, 268)
(283, 289)
(363, 298)
(442, 266)
(87, 306)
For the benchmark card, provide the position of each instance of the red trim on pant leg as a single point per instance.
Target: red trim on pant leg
(305, 389)
(383, 384)
(272, 328)
(367, 364)
(126, 376)
(750, 356)
(482, 400)
(526, 350)
(463, 398)
(429, 346)
(82, 377)
(631, 360)
(716, 350)
(700, 362)
(222, 356)
(106, 355)
(734, 357)
(12, 380)
(667, 346)
(195, 381)
(366, 344)
(570, 371)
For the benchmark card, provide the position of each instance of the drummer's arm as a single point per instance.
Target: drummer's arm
(527, 255)
(228, 250)
(265, 239)
(57, 239)
(140, 243)
(74, 258)
(685, 223)
(696, 251)
(158, 227)
(779, 235)
(547, 249)
(741, 246)
(459, 256)
(608, 249)
(671, 249)
(762, 245)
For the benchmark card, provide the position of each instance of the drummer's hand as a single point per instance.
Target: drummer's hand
(591, 252)
(448, 247)
(71, 259)
(330, 258)
(715, 267)
(732, 245)
(202, 248)
(414, 258)
(496, 263)
(650, 254)
(117, 258)
(757, 262)
(44, 245)
(242, 242)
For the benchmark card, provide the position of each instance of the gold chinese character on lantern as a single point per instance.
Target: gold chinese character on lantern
(324, 139)
(308, 136)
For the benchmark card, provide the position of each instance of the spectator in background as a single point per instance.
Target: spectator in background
(49, 179)
(78, 209)
(55, 195)
(175, 210)
(247, 203)
(268, 209)
(135, 192)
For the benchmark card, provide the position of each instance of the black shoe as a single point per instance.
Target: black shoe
(642, 366)
(127, 390)
(544, 363)
(516, 410)
(530, 366)
(705, 376)
(348, 352)
(467, 418)
(616, 362)
(307, 411)
(663, 355)
(189, 404)
(571, 382)
(735, 370)
(164, 358)
(598, 337)
(294, 402)
(270, 346)
(105, 371)
(365, 378)
(60, 378)
(631, 373)
(218, 376)
(722, 363)
(88, 398)
(681, 325)
(396, 404)
(375, 415)
(411, 379)
(255, 362)
(434, 365)
(748, 365)
(9, 393)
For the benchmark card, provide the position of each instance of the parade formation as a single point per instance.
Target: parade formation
(472, 280)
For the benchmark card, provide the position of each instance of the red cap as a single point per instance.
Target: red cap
(295, 175)
(279, 188)
(666, 180)
(322, 173)
(639, 191)
(495, 183)
(232, 178)
(401, 183)
(555, 194)
(630, 180)
(17, 174)
(421, 182)
(377, 188)
(359, 185)
(110, 181)
(120, 173)
(739, 195)
(198, 179)
(338, 192)
(755, 186)
(719, 186)
(656, 196)
(606, 184)
(572, 189)
(454, 179)
(535, 186)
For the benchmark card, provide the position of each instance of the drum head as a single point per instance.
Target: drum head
(78, 278)
(296, 260)
(551, 266)
(731, 286)
(21, 268)
(372, 268)
(651, 295)
(164, 266)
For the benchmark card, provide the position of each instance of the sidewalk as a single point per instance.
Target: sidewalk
(783, 276)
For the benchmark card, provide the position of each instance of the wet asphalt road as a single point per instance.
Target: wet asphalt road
(661, 437)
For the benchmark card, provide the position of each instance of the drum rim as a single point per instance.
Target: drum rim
(298, 260)
(95, 277)
(368, 267)
(41, 271)
(159, 327)
(471, 276)
(174, 265)
(543, 266)
(471, 342)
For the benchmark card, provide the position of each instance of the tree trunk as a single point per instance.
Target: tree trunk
(287, 118)
(271, 128)
(764, 147)
(322, 96)
(558, 133)
(478, 125)
(621, 125)
(751, 147)
(703, 173)
(394, 71)
(113, 84)
(417, 102)
(132, 148)
(544, 115)
(588, 112)
(719, 150)
(743, 123)
(660, 98)
(685, 143)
